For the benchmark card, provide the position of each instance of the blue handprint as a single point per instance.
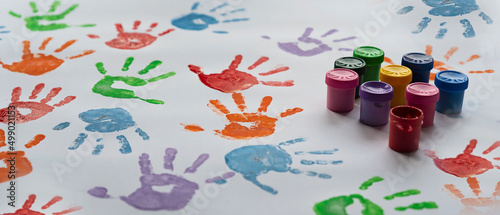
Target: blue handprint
(106, 120)
(252, 161)
(449, 8)
(199, 21)
(3, 31)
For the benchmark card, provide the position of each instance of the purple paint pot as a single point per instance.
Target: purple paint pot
(375, 102)
(423, 96)
(341, 89)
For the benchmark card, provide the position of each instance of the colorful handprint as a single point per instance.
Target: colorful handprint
(107, 120)
(37, 109)
(47, 22)
(260, 125)
(133, 40)
(449, 8)
(145, 198)
(26, 208)
(294, 48)
(476, 205)
(104, 86)
(253, 161)
(22, 166)
(39, 63)
(233, 80)
(338, 205)
(197, 21)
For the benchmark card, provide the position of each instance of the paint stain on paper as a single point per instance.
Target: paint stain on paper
(147, 198)
(22, 165)
(36, 109)
(465, 165)
(442, 63)
(320, 46)
(201, 18)
(108, 120)
(26, 208)
(244, 125)
(233, 80)
(339, 205)
(49, 21)
(476, 204)
(2, 31)
(133, 40)
(104, 86)
(39, 63)
(449, 9)
(256, 160)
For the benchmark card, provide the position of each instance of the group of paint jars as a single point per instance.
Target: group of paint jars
(400, 94)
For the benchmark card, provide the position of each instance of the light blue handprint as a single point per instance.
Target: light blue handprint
(197, 21)
(105, 120)
(449, 8)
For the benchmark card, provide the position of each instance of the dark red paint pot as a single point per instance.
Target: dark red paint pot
(404, 132)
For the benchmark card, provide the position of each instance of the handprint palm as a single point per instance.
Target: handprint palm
(37, 109)
(39, 63)
(104, 86)
(36, 22)
(146, 198)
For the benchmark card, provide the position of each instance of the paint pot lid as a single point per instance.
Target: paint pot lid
(376, 91)
(422, 93)
(342, 78)
(370, 54)
(353, 63)
(395, 75)
(418, 61)
(450, 80)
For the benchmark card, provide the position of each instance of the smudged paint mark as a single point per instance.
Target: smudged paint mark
(221, 179)
(256, 160)
(321, 152)
(169, 158)
(449, 9)
(201, 159)
(104, 86)
(49, 21)
(146, 198)
(35, 141)
(133, 40)
(403, 194)
(26, 208)
(197, 21)
(463, 165)
(405, 10)
(339, 205)
(366, 184)
(99, 192)
(471, 58)
(265, 37)
(39, 63)
(293, 141)
(293, 47)
(193, 127)
(3, 31)
(319, 162)
(36, 109)
(61, 126)
(107, 120)
(233, 80)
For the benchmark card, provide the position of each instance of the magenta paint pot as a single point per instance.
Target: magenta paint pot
(341, 89)
(423, 96)
(376, 99)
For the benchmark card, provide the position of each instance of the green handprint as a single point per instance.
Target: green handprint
(36, 22)
(104, 87)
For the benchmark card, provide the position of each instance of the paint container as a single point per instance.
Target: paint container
(452, 86)
(423, 96)
(341, 89)
(398, 77)
(375, 102)
(373, 58)
(355, 64)
(404, 132)
(420, 65)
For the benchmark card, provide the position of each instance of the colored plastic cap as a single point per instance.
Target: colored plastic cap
(395, 74)
(376, 91)
(342, 78)
(422, 93)
(352, 63)
(370, 54)
(418, 61)
(450, 80)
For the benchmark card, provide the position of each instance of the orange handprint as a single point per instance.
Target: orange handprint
(39, 63)
(37, 109)
(476, 205)
(26, 208)
(260, 125)
(17, 164)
